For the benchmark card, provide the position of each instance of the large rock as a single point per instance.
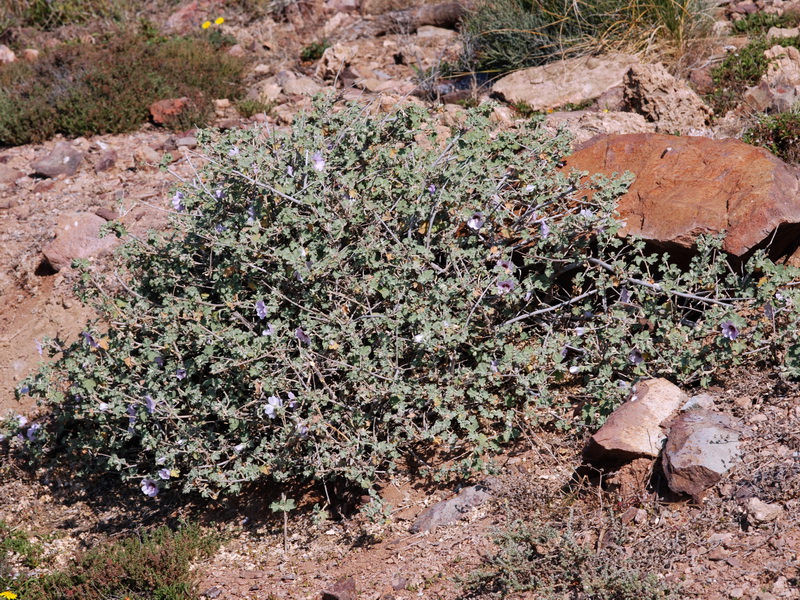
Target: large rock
(584, 125)
(63, 160)
(779, 88)
(571, 81)
(167, 111)
(661, 99)
(77, 236)
(9, 175)
(634, 429)
(6, 55)
(688, 186)
(701, 447)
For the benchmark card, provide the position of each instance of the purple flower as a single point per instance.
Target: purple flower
(292, 404)
(164, 473)
(319, 162)
(149, 487)
(476, 221)
(270, 330)
(493, 366)
(419, 338)
(39, 348)
(233, 151)
(159, 360)
(238, 448)
(505, 265)
(89, 339)
(261, 309)
(102, 407)
(24, 389)
(177, 202)
(161, 460)
(251, 214)
(180, 373)
(220, 228)
(301, 430)
(544, 229)
(131, 418)
(729, 330)
(585, 212)
(625, 296)
(302, 336)
(273, 404)
(218, 194)
(290, 171)
(31, 434)
(635, 357)
(21, 421)
(149, 403)
(506, 286)
(432, 189)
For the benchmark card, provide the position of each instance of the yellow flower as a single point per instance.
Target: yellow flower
(206, 25)
(8, 595)
(219, 21)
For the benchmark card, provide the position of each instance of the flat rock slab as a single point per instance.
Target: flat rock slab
(63, 160)
(701, 447)
(571, 81)
(450, 511)
(77, 236)
(688, 186)
(634, 429)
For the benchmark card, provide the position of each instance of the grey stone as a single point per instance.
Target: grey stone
(450, 511)
(633, 430)
(762, 512)
(701, 447)
(62, 160)
(107, 160)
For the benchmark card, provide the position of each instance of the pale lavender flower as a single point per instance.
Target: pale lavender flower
(585, 212)
(149, 488)
(21, 421)
(302, 336)
(31, 434)
(251, 214)
(419, 338)
(233, 151)
(301, 430)
(290, 171)
(149, 403)
(161, 460)
(102, 407)
(39, 348)
(220, 228)
(293, 403)
(493, 366)
(131, 418)
(544, 229)
(506, 286)
(476, 221)
(164, 473)
(625, 296)
(529, 188)
(270, 330)
(506, 265)
(579, 331)
(574, 370)
(24, 389)
(159, 360)
(180, 373)
(564, 352)
(177, 202)
(273, 404)
(319, 162)
(218, 194)
(89, 339)
(729, 330)
(261, 309)
(238, 448)
(635, 357)
(432, 189)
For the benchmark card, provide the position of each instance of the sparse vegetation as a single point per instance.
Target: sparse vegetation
(759, 23)
(780, 134)
(314, 50)
(85, 89)
(248, 107)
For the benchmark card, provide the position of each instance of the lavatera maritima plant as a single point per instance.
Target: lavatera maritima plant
(364, 288)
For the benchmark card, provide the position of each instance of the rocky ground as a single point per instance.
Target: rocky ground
(739, 539)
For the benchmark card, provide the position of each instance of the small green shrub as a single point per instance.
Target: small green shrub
(155, 565)
(780, 134)
(550, 561)
(88, 89)
(314, 50)
(248, 107)
(741, 69)
(758, 23)
(334, 299)
(17, 542)
(49, 14)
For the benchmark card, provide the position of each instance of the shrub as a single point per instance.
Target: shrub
(83, 89)
(49, 14)
(740, 70)
(549, 560)
(155, 565)
(780, 134)
(248, 107)
(758, 23)
(359, 291)
(314, 50)
(505, 35)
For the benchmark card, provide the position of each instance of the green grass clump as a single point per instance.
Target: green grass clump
(86, 89)
(550, 561)
(505, 35)
(780, 134)
(247, 107)
(314, 50)
(155, 565)
(49, 14)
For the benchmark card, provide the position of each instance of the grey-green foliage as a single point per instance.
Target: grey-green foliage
(550, 560)
(363, 289)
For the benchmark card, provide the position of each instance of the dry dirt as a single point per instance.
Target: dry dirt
(705, 551)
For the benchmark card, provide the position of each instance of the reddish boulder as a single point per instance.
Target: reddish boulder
(166, 111)
(77, 236)
(63, 160)
(688, 186)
